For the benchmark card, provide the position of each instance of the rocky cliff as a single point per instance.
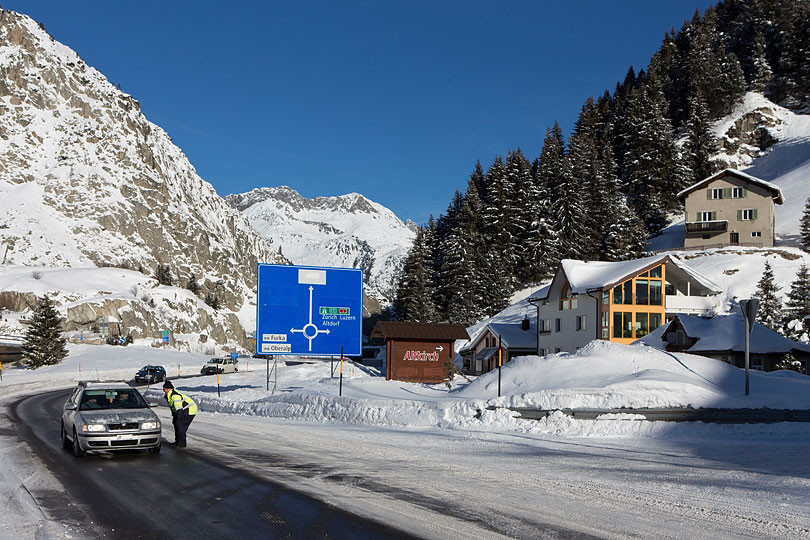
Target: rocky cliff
(87, 181)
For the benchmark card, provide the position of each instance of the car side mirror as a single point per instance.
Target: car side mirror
(70, 406)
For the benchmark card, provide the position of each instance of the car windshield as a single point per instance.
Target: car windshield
(112, 398)
(215, 361)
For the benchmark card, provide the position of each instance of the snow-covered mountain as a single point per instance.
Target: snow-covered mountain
(346, 231)
(86, 181)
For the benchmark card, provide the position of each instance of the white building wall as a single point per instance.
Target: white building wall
(568, 338)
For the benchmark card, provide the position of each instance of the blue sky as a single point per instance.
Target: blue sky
(394, 100)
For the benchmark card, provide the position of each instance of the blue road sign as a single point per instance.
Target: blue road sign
(309, 310)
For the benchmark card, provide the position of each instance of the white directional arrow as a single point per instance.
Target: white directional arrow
(439, 348)
(309, 330)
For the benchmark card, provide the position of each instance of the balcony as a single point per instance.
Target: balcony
(691, 305)
(717, 226)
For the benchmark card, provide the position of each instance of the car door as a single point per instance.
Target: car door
(69, 411)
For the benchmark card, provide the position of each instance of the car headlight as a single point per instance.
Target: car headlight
(94, 427)
(150, 425)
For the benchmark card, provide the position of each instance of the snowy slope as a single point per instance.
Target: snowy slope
(347, 231)
(87, 181)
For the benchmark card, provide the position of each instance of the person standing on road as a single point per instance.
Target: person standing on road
(183, 411)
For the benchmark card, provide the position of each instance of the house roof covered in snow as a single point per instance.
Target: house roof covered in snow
(512, 335)
(776, 193)
(588, 276)
(725, 333)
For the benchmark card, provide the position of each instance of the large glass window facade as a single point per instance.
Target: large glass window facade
(643, 292)
(656, 298)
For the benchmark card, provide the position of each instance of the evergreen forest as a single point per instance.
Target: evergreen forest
(613, 184)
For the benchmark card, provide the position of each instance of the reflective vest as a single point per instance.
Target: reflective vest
(179, 401)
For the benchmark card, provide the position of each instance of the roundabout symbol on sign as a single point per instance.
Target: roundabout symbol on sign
(309, 330)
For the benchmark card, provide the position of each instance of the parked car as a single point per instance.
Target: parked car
(106, 416)
(220, 365)
(150, 374)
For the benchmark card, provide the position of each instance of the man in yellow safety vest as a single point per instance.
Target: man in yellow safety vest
(183, 411)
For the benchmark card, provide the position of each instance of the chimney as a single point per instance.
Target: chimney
(525, 323)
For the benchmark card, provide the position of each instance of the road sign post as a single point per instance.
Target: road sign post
(749, 310)
(309, 311)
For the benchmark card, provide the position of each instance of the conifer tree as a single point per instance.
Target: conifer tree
(804, 226)
(700, 143)
(653, 174)
(193, 285)
(520, 207)
(163, 274)
(416, 291)
(626, 237)
(762, 73)
(44, 343)
(770, 305)
(798, 298)
(497, 235)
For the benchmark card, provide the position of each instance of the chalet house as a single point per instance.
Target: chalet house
(480, 355)
(730, 208)
(616, 301)
(723, 338)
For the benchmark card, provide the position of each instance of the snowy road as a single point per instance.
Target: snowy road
(452, 483)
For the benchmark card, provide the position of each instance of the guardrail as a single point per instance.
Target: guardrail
(707, 415)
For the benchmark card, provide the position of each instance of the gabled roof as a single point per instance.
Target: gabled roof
(414, 330)
(512, 336)
(776, 193)
(589, 276)
(726, 333)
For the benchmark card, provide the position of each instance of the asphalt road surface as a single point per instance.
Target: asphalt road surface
(176, 494)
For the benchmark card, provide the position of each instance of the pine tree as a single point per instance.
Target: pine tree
(700, 143)
(762, 73)
(163, 274)
(626, 237)
(44, 343)
(798, 298)
(653, 173)
(497, 236)
(804, 226)
(770, 305)
(193, 285)
(415, 291)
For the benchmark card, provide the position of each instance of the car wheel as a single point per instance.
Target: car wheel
(77, 450)
(65, 441)
(235, 369)
(156, 449)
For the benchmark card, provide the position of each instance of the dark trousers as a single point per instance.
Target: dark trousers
(181, 420)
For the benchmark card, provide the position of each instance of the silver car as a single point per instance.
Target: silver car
(101, 416)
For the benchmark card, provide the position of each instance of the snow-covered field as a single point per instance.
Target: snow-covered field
(426, 419)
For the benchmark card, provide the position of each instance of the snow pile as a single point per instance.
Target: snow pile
(601, 375)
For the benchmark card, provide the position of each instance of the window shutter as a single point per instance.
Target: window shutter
(709, 193)
(727, 193)
(713, 216)
(754, 214)
(744, 192)
(739, 215)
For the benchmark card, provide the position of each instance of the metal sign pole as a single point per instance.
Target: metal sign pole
(267, 372)
(500, 351)
(340, 392)
(749, 310)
